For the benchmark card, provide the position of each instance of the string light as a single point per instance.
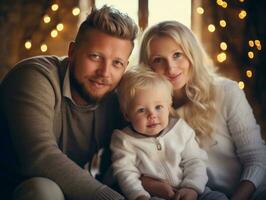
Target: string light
(251, 43)
(250, 54)
(200, 10)
(54, 33)
(241, 85)
(54, 7)
(223, 46)
(44, 47)
(249, 73)
(211, 28)
(28, 44)
(221, 57)
(60, 27)
(242, 14)
(224, 4)
(46, 19)
(222, 23)
(75, 11)
(219, 2)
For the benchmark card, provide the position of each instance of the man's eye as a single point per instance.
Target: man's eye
(95, 57)
(118, 64)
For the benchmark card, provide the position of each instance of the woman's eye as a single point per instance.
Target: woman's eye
(157, 60)
(118, 64)
(177, 54)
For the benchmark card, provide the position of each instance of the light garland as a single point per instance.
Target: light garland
(54, 32)
(221, 57)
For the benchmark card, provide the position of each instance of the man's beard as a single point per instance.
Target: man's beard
(81, 90)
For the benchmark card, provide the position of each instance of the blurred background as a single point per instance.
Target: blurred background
(233, 32)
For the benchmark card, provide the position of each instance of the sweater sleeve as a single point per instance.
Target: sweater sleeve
(246, 135)
(124, 166)
(193, 163)
(29, 97)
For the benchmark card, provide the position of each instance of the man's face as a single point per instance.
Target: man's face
(97, 65)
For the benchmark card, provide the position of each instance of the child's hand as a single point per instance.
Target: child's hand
(142, 198)
(185, 194)
(157, 188)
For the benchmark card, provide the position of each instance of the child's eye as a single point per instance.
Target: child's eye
(140, 110)
(159, 107)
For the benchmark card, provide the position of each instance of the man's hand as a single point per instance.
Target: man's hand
(185, 194)
(157, 188)
(244, 191)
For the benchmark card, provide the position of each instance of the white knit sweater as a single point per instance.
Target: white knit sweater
(174, 156)
(238, 152)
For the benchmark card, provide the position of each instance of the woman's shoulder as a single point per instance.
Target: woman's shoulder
(225, 84)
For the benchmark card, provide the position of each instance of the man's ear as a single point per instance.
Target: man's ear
(126, 116)
(71, 50)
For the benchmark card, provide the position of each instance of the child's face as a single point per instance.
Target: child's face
(149, 111)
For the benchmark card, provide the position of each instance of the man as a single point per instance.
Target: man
(56, 113)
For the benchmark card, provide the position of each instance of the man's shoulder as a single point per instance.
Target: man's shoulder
(48, 63)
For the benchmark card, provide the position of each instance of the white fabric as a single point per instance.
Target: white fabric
(238, 152)
(180, 160)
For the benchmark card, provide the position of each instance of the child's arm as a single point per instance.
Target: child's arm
(124, 166)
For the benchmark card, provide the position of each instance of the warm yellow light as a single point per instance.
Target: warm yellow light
(221, 57)
(223, 46)
(54, 7)
(257, 43)
(54, 33)
(251, 43)
(46, 19)
(219, 2)
(44, 47)
(222, 23)
(75, 11)
(242, 14)
(249, 73)
(241, 85)
(200, 10)
(27, 44)
(250, 54)
(211, 28)
(224, 4)
(241, 0)
(60, 27)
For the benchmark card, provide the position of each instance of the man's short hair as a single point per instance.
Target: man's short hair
(110, 21)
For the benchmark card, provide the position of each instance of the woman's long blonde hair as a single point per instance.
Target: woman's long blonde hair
(200, 111)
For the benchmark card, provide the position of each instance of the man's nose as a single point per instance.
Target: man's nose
(104, 69)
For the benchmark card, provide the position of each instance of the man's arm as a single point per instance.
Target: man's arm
(29, 103)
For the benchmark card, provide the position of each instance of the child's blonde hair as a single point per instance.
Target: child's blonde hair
(137, 78)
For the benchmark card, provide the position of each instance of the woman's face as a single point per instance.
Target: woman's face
(167, 58)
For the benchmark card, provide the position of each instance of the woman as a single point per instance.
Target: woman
(214, 106)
